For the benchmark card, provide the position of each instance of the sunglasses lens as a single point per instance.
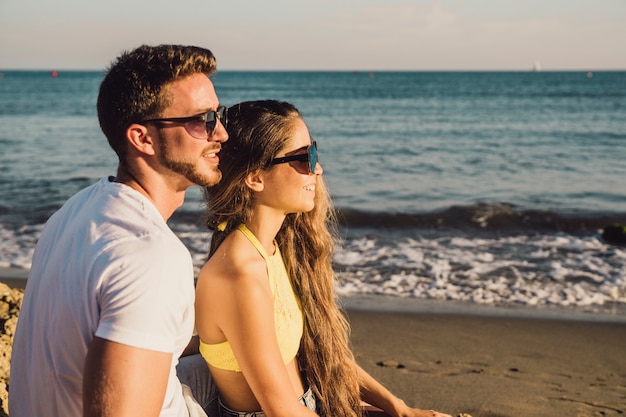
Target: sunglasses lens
(211, 119)
(222, 113)
(197, 128)
(210, 126)
(312, 157)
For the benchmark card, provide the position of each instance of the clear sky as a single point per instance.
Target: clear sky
(322, 34)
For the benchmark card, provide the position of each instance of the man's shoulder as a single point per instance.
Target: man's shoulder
(110, 217)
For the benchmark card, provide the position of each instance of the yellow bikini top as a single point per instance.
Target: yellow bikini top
(287, 313)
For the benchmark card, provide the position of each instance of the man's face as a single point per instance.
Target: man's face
(190, 160)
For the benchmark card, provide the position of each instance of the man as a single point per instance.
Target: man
(108, 307)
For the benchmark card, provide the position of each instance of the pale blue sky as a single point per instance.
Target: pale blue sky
(322, 34)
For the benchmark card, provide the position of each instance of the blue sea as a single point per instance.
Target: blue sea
(486, 190)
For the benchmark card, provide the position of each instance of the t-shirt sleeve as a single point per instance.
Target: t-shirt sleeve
(146, 294)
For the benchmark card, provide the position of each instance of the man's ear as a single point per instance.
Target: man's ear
(139, 139)
(254, 181)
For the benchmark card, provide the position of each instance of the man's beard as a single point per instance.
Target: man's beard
(188, 169)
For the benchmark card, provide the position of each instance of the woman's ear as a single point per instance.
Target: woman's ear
(254, 181)
(138, 138)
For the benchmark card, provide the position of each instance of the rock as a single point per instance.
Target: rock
(615, 234)
(10, 303)
(391, 364)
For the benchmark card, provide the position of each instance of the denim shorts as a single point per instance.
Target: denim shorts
(308, 399)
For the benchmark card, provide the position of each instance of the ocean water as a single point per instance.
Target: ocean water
(475, 188)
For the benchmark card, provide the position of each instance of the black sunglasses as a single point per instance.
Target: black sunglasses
(310, 157)
(200, 127)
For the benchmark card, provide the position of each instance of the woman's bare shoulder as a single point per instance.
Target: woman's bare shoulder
(235, 262)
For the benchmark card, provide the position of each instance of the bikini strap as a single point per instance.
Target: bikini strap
(253, 239)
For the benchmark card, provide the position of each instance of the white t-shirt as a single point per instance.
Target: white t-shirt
(107, 265)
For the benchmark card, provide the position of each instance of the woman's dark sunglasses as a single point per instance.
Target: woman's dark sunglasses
(310, 157)
(199, 127)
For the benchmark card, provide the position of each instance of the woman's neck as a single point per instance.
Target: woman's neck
(265, 226)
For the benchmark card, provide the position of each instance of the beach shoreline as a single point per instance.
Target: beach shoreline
(615, 313)
(14, 277)
(482, 361)
(17, 277)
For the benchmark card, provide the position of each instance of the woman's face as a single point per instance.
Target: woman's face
(290, 186)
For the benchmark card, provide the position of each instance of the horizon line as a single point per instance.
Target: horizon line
(355, 70)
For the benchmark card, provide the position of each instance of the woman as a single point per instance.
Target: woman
(270, 329)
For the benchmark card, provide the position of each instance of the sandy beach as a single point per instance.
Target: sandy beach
(482, 365)
(495, 366)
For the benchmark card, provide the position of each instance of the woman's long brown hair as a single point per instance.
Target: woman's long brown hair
(258, 131)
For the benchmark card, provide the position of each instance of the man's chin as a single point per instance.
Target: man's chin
(208, 181)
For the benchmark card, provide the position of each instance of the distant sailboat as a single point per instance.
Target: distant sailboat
(537, 66)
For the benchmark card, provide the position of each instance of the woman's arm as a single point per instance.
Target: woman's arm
(374, 393)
